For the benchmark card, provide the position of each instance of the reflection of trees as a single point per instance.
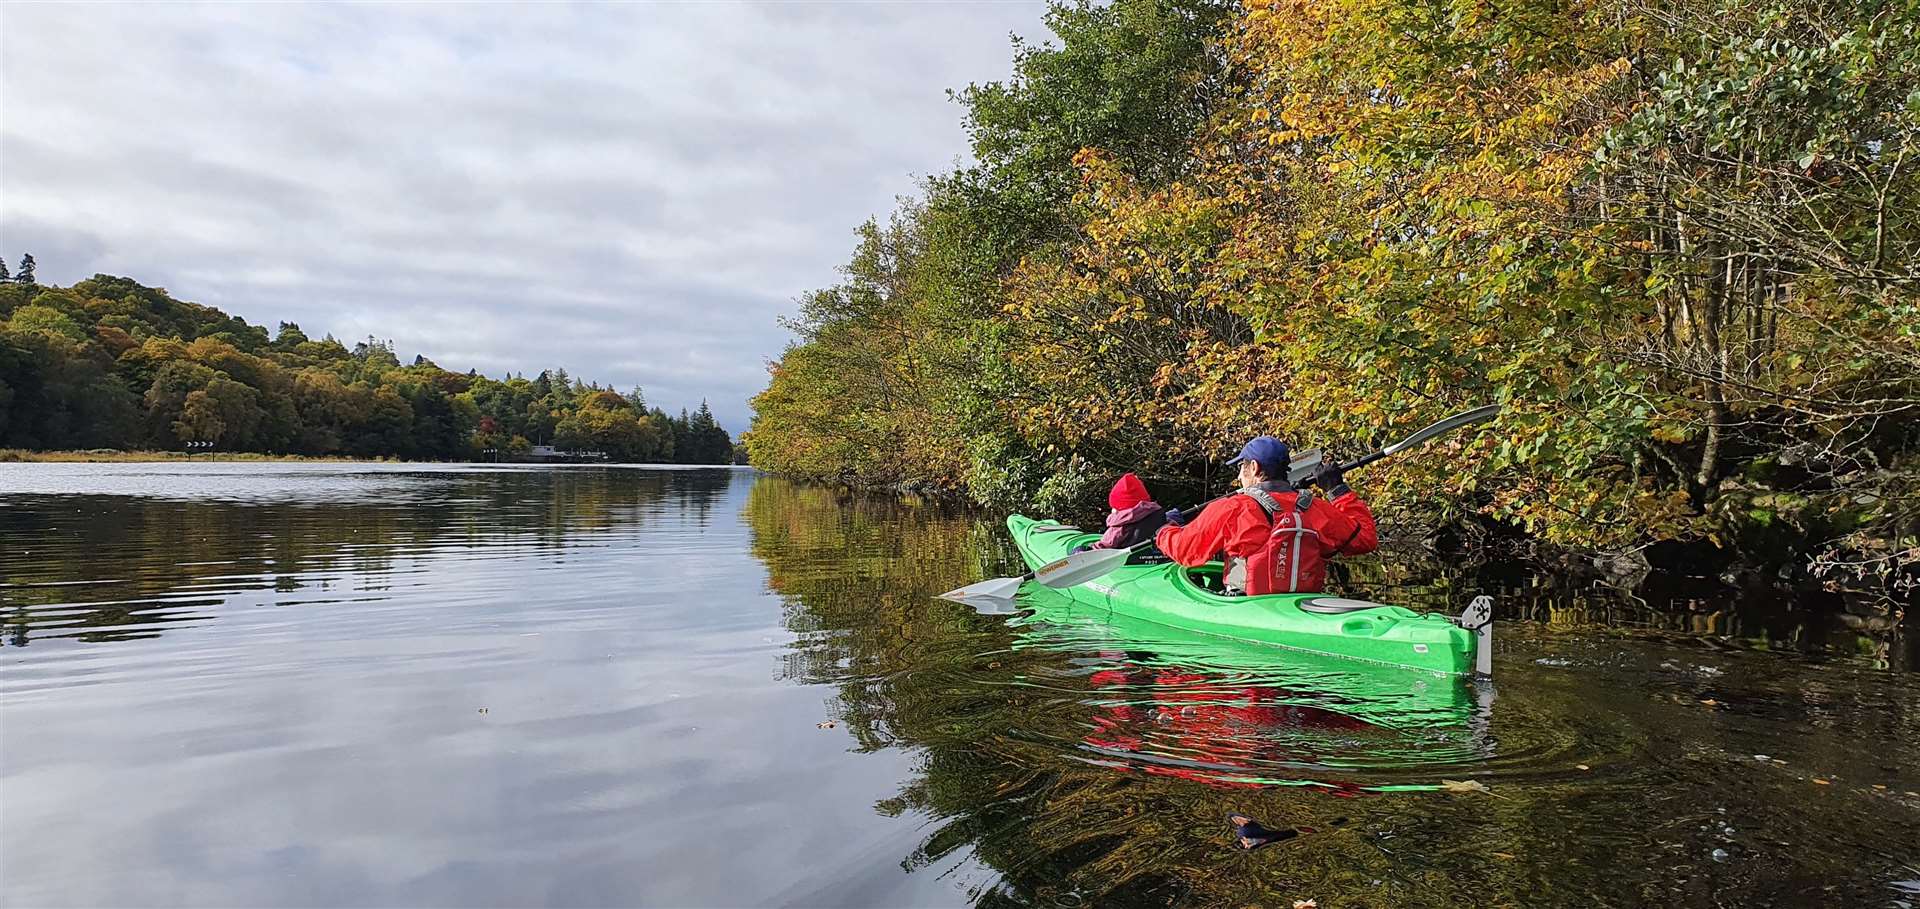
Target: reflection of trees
(1004, 774)
(1693, 611)
(105, 568)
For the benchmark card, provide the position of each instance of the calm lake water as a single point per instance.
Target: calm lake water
(376, 685)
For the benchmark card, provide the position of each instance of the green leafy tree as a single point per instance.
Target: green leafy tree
(290, 337)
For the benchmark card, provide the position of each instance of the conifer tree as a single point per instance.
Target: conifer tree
(26, 270)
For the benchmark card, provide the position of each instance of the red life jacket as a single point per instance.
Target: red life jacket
(1294, 559)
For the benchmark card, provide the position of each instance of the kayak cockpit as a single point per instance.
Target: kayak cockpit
(1206, 580)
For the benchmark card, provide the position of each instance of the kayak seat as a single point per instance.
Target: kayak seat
(1207, 578)
(1335, 605)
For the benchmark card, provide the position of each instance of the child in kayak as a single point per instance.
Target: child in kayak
(1134, 518)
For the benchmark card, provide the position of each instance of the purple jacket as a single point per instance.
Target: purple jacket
(1131, 526)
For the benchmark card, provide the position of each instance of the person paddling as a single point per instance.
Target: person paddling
(1276, 539)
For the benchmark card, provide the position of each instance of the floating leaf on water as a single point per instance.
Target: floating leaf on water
(1583, 767)
(1709, 702)
(1306, 904)
(1822, 782)
(1504, 855)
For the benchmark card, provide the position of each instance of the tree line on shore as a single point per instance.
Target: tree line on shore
(109, 363)
(1679, 240)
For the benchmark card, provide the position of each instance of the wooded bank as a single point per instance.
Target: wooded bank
(109, 363)
(1678, 239)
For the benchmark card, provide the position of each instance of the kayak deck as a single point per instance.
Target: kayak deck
(1170, 595)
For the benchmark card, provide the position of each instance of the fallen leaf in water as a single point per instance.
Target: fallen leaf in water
(1464, 786)
(826, 724)
(1709, 702)
(1823, 782)
(1504, 855)
(1306, 904)
(1878, 786)
(1583, 767)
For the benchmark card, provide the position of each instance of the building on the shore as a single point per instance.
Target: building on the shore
(550, 453)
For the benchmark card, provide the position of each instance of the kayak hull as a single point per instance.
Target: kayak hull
(1167, 594)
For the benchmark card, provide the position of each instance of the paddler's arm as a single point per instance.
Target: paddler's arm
(1202, 539)
(1196, 543)
(1346, 526)
(1349, 528)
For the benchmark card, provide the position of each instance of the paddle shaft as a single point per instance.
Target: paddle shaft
(1444, 426)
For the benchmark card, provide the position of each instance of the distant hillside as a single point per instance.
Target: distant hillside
(110, 363)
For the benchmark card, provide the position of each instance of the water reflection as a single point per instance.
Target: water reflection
(394, 685)
(1086, 763)
(1225, 712)
(105, 565)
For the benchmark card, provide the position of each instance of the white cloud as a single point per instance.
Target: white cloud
(632, 191)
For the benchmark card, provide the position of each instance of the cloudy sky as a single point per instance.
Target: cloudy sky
(635, 192)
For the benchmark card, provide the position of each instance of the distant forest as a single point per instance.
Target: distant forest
(110, 363)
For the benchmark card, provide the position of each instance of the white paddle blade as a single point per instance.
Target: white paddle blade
(1303, 465)
(1081, 566)
(991, 606)
(995, 589)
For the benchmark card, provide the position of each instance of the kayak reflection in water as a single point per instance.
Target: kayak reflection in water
(1276, 539)
(1187, 724)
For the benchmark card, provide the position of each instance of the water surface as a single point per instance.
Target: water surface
(326, 684)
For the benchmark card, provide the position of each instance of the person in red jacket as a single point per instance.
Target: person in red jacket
(1276, 539)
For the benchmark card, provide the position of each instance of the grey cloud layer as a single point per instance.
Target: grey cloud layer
(634, 192)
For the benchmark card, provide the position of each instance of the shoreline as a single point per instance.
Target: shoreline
(112, 455)
(116, 456)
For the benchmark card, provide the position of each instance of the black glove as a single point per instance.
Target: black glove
(1331, 480)
(1175, 518)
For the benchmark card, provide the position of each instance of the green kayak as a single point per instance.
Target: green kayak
(1180, 598)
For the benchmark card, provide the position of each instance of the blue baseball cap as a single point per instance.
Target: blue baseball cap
(1270, 453)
